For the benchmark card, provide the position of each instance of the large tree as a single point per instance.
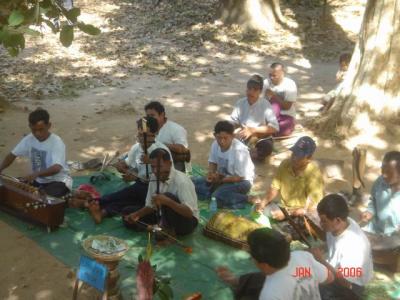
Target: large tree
(370, 97)
(261, 15)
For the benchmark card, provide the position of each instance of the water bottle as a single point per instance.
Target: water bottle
(213, 205)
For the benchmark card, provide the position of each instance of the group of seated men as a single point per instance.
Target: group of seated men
(162, 193)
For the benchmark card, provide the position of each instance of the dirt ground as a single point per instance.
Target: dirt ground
(101, 119)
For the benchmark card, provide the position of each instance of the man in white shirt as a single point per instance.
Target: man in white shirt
(46, 152)
(255, 120)
(349, 251)
(135, 168)
(230, 170)
(171, 134)
(281, 92)
(171, 200)
(288, 275)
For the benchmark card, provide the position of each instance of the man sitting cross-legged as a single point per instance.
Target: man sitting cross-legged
(383, 213)
(349, 252)
(298, 181)
(173, 207)
(230, 169)
(284, 275)
(133, 168)
(255, 120)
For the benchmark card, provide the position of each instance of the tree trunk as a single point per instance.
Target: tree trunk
(372, 84)
(261, 15)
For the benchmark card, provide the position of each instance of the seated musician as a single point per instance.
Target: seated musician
(281, 92)
(134, 169)
(171, 134)
(281, 276)
(298, 181)
(349, 251)
(46, 152)
(230, 170)
(255, 120)
(383, 229)
(171, 200)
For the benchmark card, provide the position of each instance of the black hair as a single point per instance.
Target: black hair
(152, 124)
(269, 246)
(38, 115)
(160, 152)
(224, 126)
(333, 206)
(276, 65)
(393, 156)
(157, 106)
(345, 57)
(256, 82)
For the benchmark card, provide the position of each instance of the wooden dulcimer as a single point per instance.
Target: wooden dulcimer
(28, 203)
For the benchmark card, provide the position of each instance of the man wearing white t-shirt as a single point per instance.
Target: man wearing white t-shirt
(135, 168)
(230, 170)
(171, 134)
(288, 275)
(281, 92)
(349, 251)
(175, 201)
(46, 152)
(255, 120)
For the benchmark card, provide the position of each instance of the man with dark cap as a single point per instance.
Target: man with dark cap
(298, 181)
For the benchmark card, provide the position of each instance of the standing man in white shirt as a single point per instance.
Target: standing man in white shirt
(349, 252)
(288, 275)
(281, 92)
(177, 199)
(171, 134)
(230, 170)
(46, 152)
(255, 120)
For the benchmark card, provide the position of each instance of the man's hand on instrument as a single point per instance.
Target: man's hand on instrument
(269, 94)
(214, 177)
(299, 212)
(259, 205)
(317, 253)
(227, 276)
(366, 216)
(245, 133)
(128, 177)
(160, 199)
(277, 215)
(30, 178)
(121, 166)
(132, 218)
(145, 159)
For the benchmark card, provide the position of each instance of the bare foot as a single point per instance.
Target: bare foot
(95, 212)
(227, 276)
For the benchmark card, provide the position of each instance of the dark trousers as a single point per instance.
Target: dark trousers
(250, 286)
(54, 189)
(334, 291)
(170, 219)
(133, 195)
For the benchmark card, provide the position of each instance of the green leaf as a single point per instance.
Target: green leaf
(140, 258)
(67, 35)
(15, 18)
(14, 41)
(73, 14)
(89, 29)
(32, 32)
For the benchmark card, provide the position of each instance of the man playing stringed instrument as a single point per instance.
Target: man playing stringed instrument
(171, 200)
(135, 168)
(298, 181)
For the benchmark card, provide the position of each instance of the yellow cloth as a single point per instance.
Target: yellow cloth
(295, 190)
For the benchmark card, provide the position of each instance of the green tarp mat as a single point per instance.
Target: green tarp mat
(189, 272)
